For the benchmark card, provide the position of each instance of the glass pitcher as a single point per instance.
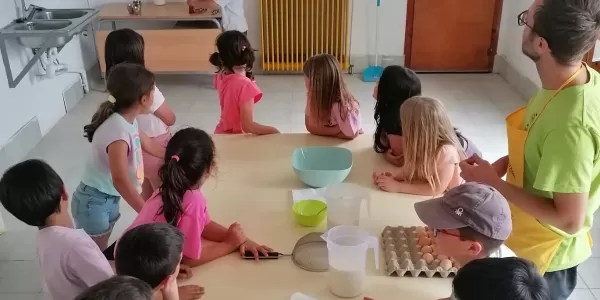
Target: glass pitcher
(347, 254)
(344, 201)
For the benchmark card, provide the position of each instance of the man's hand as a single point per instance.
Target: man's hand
(479, 170)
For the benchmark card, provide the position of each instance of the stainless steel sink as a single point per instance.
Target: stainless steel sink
(59, 14)
(45, 25)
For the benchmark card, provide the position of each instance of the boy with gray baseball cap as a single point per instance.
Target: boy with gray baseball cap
(469, 222)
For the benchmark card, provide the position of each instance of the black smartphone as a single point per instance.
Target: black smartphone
(272, 255)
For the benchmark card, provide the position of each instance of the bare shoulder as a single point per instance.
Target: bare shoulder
(448, 154)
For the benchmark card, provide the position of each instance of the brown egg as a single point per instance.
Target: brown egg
(421, 235)
(426, 249)
(435, 254)
(446, 264)
(420, 229)
(442, 257)
(428, 258)
(424, 241)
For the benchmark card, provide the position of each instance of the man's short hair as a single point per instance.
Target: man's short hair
(31, 191)
(570, 27)
(118, 288)
(150, 252)
(505, 278)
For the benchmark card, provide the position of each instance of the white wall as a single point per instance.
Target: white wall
(509, 44)
(35, 97)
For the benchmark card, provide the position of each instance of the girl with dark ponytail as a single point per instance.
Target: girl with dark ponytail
(189, 162)
(237, 90)
(115, 168)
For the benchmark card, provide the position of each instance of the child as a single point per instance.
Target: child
(431, 151)
(115, 169)
(330, 108)
(70, 261)
(126, 45)
(189, 162)
(152, 253)
(237, 92)
(396, 85)
(470, 221)
(498, 279)
(118, 288)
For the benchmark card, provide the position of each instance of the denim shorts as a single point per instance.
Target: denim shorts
(94, 211)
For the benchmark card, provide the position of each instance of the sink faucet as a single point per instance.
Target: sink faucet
(27, 12)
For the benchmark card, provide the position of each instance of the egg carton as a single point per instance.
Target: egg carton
(411, 251)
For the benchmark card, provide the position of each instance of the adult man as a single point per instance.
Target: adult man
(553, 162)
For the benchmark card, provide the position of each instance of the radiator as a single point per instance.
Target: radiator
(294, 30)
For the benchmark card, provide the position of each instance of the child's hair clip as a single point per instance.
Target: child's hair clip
(111, 99)
(244, 48)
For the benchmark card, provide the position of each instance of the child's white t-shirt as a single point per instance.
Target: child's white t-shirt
(150, 124)
(233, 15)
(503, 252)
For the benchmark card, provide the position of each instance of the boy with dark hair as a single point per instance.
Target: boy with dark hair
(498, 279)
(70, 260)
(118, 288)
(152, 253)
(470, 221)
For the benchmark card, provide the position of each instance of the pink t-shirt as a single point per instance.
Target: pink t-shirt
(70, 261)
(233, 90)
(350, 125)
(195, 217)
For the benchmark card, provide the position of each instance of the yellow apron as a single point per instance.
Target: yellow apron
(529, 238)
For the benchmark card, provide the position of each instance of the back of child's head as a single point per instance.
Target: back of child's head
(189, 157)
(396, 85)
(121, 46)
(31, 191)
(150, 252)
(499, 279)
(129, 85)
(326, 85)
(118, 288)
(233, 50)
(426, 128)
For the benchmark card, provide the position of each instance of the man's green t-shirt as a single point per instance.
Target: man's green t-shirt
(562, 156)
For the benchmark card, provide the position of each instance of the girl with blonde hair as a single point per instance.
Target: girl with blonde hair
(330, 108)
(432, 151)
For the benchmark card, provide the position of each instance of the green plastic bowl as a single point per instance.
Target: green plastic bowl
(322, 166)
(310, 213)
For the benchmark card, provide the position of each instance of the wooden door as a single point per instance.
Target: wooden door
(452, 35)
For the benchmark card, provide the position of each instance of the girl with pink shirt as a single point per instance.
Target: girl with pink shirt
(330, 108)
(237, 90)
(189, 161)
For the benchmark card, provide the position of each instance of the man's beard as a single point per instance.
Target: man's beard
(530, 53)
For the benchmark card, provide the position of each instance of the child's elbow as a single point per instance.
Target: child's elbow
(248, 127)
(170, 121)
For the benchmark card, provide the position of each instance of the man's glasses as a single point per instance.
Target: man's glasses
(436, 232)
(522, 19)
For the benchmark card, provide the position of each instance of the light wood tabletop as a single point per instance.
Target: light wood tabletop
(252, 185)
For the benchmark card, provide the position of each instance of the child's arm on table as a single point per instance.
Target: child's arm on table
(118, 164)
(247, 120)
(151, 146)
(165, 114)
(218, 242)
(446, 169)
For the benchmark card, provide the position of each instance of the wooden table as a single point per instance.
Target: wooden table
(173, 50)
(252, 185)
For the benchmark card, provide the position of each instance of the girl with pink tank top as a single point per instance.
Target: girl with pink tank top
(238, 92)
(330, 108)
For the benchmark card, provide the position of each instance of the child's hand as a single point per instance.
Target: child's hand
(254, 248)
(185, 272)
(388, 183)
(236, 235)
(170, 291)
(190, 292)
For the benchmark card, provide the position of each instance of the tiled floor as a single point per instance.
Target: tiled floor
(477, 105)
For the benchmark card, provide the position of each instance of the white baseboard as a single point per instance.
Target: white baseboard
(521, 83)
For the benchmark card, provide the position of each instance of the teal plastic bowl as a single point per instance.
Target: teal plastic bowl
(322, 166)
